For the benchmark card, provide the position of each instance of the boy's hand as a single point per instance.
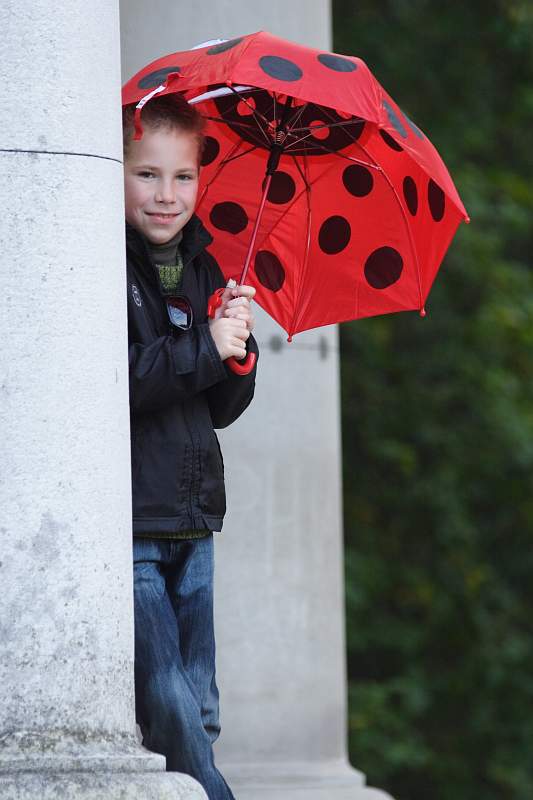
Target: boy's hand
(229, 335)
(240, 307)
(236, 305)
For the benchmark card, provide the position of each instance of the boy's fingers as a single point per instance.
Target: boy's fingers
(243, 291)
(239, 301)
(236, 327)
(238, 313)
(239, 322)
(242, 333)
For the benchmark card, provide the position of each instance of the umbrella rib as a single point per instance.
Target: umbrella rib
(354, 138)
(254, 111)
(253, 129)
(409, 236)
(302, 176)
(240, 155)
(348, 121)
(278, 220)
(303, 272)
(406, 221)
(229, 124)
(346, 157)
(217, 172)
(380, 169)
(297, 116)
(327, 125)
(308, 185)
(256, 115)
(318, 145)
(267, 233)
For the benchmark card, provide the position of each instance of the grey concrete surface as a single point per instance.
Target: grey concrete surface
(279, 608)
(66, 613)
(62, 89)
(148, 30)
(321, 780)
(279, 579)
(99, 786)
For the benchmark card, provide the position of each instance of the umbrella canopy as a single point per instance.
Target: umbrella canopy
(359, 209)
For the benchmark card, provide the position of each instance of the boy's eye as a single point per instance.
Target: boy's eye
(145, 174)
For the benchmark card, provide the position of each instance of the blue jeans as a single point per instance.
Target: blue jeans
(176, 694)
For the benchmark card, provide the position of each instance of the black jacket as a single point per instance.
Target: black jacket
(179, 391)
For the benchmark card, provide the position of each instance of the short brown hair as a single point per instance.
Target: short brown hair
(171, 111)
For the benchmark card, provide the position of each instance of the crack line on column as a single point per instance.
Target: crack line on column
(60, 153)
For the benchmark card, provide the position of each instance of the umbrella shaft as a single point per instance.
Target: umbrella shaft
(275, 154)
(266, 187)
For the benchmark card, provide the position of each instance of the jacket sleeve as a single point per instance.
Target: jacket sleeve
(228, 399)
(170, 370)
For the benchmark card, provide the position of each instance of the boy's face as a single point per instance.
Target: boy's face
(161, 174)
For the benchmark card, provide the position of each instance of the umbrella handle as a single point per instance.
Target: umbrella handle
(238, 367)
(242, 367)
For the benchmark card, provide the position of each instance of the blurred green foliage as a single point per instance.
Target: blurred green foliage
(438, 428)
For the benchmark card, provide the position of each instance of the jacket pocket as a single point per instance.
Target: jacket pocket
(161, 469)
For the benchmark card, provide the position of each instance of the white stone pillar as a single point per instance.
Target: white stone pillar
(66, 613)
(279, 600)
(280, 585)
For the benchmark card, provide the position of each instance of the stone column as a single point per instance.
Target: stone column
(66, 613)
(280, 619)
(280, 593)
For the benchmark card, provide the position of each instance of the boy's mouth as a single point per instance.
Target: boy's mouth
(157, 217)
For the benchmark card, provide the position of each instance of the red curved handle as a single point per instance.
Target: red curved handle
(242, 367)
(214, 302)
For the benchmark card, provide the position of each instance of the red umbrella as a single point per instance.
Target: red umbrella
(357, 209)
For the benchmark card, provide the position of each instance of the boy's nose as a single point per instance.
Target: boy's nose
(166, 192)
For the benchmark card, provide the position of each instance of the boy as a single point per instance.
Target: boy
(180, 390)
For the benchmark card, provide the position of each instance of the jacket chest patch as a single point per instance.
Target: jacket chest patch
(136, 295)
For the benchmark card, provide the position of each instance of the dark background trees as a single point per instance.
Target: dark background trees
(438, 428)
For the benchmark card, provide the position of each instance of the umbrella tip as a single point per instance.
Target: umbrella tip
(467, 220)
(289, 339)
(423, 311)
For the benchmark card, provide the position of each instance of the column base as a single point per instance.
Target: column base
(99, 785)
(48, 766)
(299, 781)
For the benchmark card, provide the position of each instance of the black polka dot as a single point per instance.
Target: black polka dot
(154, 79)
(280, 68)
(436, 201)
(394, 119)
(282, 188)
(355, 128)
(337, 63)
(269, 270)
(392, 143)
(334, 235)
(229, 217)
(383, 267)
(410, 194)
(223, 46)
(358, 180)
(210, 151)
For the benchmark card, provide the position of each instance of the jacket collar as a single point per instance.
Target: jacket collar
(195, 239)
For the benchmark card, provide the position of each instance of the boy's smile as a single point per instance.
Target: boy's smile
(161, 174)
